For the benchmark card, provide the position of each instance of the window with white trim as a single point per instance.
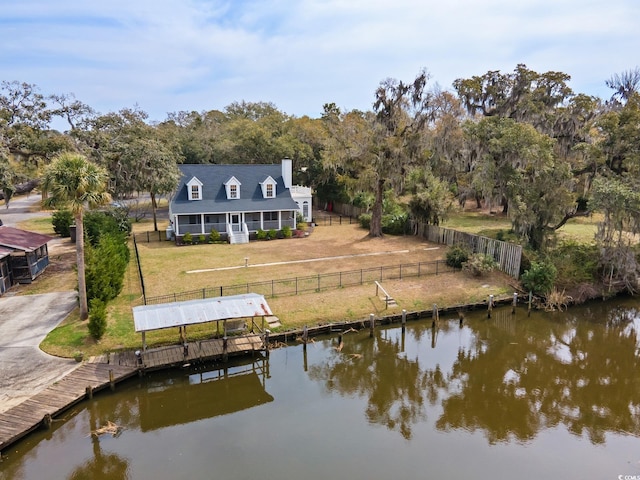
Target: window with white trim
(233, 191)
(269, 190)
(194, 189)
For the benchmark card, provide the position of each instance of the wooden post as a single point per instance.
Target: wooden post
(435, 315)
(515, 302)
(47, 420)
(404, 319)
(225, 354)
(266, 340)
(305, 336)
(372, 324)
(461, 317)
(89, 392)
(490, 306)
(112, 383)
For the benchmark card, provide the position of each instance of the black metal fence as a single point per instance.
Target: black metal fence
(311, 283)
(147, 237)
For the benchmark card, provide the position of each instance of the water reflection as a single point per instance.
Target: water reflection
(557, 387)
(514, 377)
(396, 387)
(537, 374)
(198, 395)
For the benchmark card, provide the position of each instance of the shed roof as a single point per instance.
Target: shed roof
(21, 239)
(5, 252)
(178, 314)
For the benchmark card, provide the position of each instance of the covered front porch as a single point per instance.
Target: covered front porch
(224, 223)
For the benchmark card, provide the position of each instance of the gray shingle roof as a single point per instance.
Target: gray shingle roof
(214, 196)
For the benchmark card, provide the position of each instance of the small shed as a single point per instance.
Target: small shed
(6, 279)
(29, 255)
(230, 310)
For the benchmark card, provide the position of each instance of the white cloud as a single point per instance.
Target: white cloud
(203, 54)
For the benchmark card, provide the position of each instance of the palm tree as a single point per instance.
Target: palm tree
(71, 181)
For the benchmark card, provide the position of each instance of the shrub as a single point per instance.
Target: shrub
(121, 217)
(286, 231)
(575, 263)
(98, 223)
(365, 220)
(97, 318)
(457, 256)
(202, 238)
(214, 236)
(271, 234)
(261, 235)
(187, 238)
(61, 221)
(539, 278)
(106, 264)
(395, 224)
(479, 264)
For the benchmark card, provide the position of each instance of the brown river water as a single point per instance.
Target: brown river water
(553, 395)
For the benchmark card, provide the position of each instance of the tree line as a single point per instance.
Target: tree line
(521, 142)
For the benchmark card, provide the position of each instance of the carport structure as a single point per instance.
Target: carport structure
(232, 311)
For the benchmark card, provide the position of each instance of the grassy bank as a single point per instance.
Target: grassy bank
(169, 269)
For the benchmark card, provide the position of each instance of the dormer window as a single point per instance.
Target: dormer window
(268, 187)
(232, 187)
(194, 189)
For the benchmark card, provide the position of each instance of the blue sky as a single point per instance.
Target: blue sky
(171, 55)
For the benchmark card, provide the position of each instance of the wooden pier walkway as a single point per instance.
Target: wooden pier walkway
(105, 371)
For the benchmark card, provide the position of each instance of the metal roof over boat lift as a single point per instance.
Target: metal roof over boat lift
(179, 314)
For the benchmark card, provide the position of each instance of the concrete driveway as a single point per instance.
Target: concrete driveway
(24, 322)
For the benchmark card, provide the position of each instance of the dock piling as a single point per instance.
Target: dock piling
(372, 324)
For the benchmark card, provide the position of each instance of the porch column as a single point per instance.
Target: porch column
(202, 223)
(176, 225)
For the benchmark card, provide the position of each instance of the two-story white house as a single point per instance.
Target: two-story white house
(237, 200)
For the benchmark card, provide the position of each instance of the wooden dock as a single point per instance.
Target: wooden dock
(107, 370)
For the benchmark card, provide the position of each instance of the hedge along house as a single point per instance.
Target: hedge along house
(237, 200)
(23, 256)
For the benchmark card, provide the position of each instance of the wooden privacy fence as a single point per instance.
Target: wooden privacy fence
(311, 283)
(507, 255)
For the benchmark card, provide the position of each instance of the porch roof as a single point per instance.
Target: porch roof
(179, 314)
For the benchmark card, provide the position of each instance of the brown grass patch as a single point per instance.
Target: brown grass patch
(339, 249)
(169, 269)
